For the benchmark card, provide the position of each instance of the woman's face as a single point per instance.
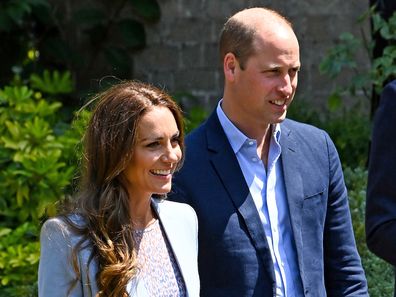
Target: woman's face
(155, 155)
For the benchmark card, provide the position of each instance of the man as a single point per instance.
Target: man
(381, 187)
(269, 193)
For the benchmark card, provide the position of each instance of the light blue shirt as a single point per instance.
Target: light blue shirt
(267, 188)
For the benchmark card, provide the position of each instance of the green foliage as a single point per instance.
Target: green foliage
(52, 83)
(384, 67)
(349, 129)
(36, 148)
(91, 38)
(19, 257)
(195, 114)
(379, 274)
(342, 57)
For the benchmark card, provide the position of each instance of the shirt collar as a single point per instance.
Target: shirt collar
(234, 135)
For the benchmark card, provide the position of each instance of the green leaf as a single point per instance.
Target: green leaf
(5, 280)
(4, 231)
(14, 129)
(22, 194)
(16, 95)
(132, 33)
(53, 83)
(147, 9)
(390, 50)
(378, 22)
(334, 101)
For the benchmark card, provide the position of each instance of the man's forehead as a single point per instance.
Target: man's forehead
(259, 18)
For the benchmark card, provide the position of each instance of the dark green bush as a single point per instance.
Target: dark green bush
(379, 274)
(91, 39)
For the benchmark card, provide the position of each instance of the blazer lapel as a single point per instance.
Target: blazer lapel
(227, 167)
(181, 253)
(291, 161)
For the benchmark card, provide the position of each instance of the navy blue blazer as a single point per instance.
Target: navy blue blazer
(381, 186)
(234, 259)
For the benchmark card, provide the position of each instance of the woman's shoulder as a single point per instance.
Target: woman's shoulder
(62, 228)
(63, 222)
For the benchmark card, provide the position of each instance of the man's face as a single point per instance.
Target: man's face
(264, 89)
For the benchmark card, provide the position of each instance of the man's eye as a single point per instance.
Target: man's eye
(271, 71)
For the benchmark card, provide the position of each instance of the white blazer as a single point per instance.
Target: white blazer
(56, 272)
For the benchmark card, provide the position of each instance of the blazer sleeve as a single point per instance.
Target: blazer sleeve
(344, 275)
(56, 275)
(381, 186)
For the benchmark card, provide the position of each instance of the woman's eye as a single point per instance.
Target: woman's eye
(153, 144)
(176, 140)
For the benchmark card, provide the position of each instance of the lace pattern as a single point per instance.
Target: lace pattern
(158, 267)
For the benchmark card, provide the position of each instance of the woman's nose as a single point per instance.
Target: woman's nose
(172, 154)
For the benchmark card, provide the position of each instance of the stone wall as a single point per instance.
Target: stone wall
(182, 53)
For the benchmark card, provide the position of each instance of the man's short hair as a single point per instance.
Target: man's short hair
(237, 38)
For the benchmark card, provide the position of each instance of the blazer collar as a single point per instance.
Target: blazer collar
(229, 172)
(182, 255)
(292, 160)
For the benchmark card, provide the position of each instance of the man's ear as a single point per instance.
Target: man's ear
(230, 64)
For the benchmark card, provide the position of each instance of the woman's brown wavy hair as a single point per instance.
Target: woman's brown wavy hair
(102, 201)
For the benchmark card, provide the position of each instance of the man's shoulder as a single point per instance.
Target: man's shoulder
(304, 134)
(296, 125)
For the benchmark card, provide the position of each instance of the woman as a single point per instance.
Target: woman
(118, 240)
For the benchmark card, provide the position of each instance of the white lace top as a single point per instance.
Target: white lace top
(158, 267)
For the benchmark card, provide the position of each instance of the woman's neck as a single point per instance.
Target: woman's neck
(141, 213)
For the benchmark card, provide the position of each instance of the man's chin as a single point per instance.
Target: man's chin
(279, 119)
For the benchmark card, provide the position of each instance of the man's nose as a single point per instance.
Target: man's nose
(286, 86)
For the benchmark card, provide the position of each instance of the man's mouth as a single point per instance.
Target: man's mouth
(278, 102)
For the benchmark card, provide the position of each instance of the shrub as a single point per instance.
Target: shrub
(37, 159)
(380, 276)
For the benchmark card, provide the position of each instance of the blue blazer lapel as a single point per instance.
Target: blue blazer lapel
(227, 167)
(291, 162)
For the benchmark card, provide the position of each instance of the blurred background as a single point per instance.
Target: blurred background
(54, 55)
